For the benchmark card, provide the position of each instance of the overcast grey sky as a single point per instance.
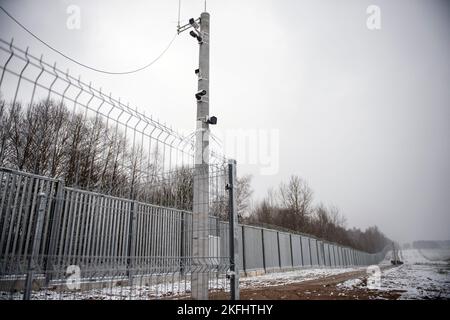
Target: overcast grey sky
(363, 115)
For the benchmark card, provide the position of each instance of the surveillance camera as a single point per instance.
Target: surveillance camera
(197, 71)
(193, 23)
(212, 120)
(200, 94)
(195, 35)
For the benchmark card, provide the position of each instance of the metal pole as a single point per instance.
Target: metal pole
(292, 254)
(234, 236)
(56, 213)
(201, 173)
(182, 243)
(35, 248)
(131, 245)
(279, 249)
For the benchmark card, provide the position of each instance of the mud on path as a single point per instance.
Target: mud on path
(325, 288)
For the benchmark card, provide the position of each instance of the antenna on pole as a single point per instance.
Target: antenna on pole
(205, 6)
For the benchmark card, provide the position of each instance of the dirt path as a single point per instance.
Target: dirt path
(318, 289)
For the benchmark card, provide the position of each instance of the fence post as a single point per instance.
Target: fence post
(35, 247)
(131, 241)
(310, 254)
(182, 249)
(234, 237)
(301, 251)
(279, 253)
(244, 262)
(263, 250)
(329, 256)
(292, 253)
(55, 216)
(317, 249)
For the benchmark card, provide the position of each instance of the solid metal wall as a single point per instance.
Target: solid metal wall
(285, 249)
(78, 224)
(314, 256)
(271, 253)
(253, 248)
(296, 250)
(306, 252)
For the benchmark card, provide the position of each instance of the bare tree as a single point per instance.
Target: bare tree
(296, 196)
(336, 217)
(263, 213)
(243, 195)
(291, 208)
(5, 133)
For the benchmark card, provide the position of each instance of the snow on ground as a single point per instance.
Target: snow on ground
(417, 278)
(178, 288)
(436, 254)
(349, 284)
(281, 278)
(170, 288)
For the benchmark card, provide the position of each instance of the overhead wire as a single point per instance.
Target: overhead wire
(85, 65)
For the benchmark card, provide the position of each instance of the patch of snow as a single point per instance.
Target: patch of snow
(417, 278)
(282, 278)
(435, 254)
(169, 289)
(349, 284)
(177, 288)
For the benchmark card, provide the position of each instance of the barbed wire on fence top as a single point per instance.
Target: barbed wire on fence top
(57, 125)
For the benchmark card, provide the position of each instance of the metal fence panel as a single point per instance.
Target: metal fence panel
(285, 249)
(320, 253)
(297, 260)
(224, 234)
(344, 262)
(331, 254)
(314, 257)
(121, 238)
(271, 253)
(18, 209)
(305, 251)
(334, 255)
(326, 253)
(241, 248)
(107, 237)
(253, 248)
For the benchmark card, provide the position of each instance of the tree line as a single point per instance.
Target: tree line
(291, 207)
(47, 139)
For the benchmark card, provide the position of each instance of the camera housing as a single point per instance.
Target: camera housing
(195, 34)
(212, 120)
(200, 94)
(193, 23)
